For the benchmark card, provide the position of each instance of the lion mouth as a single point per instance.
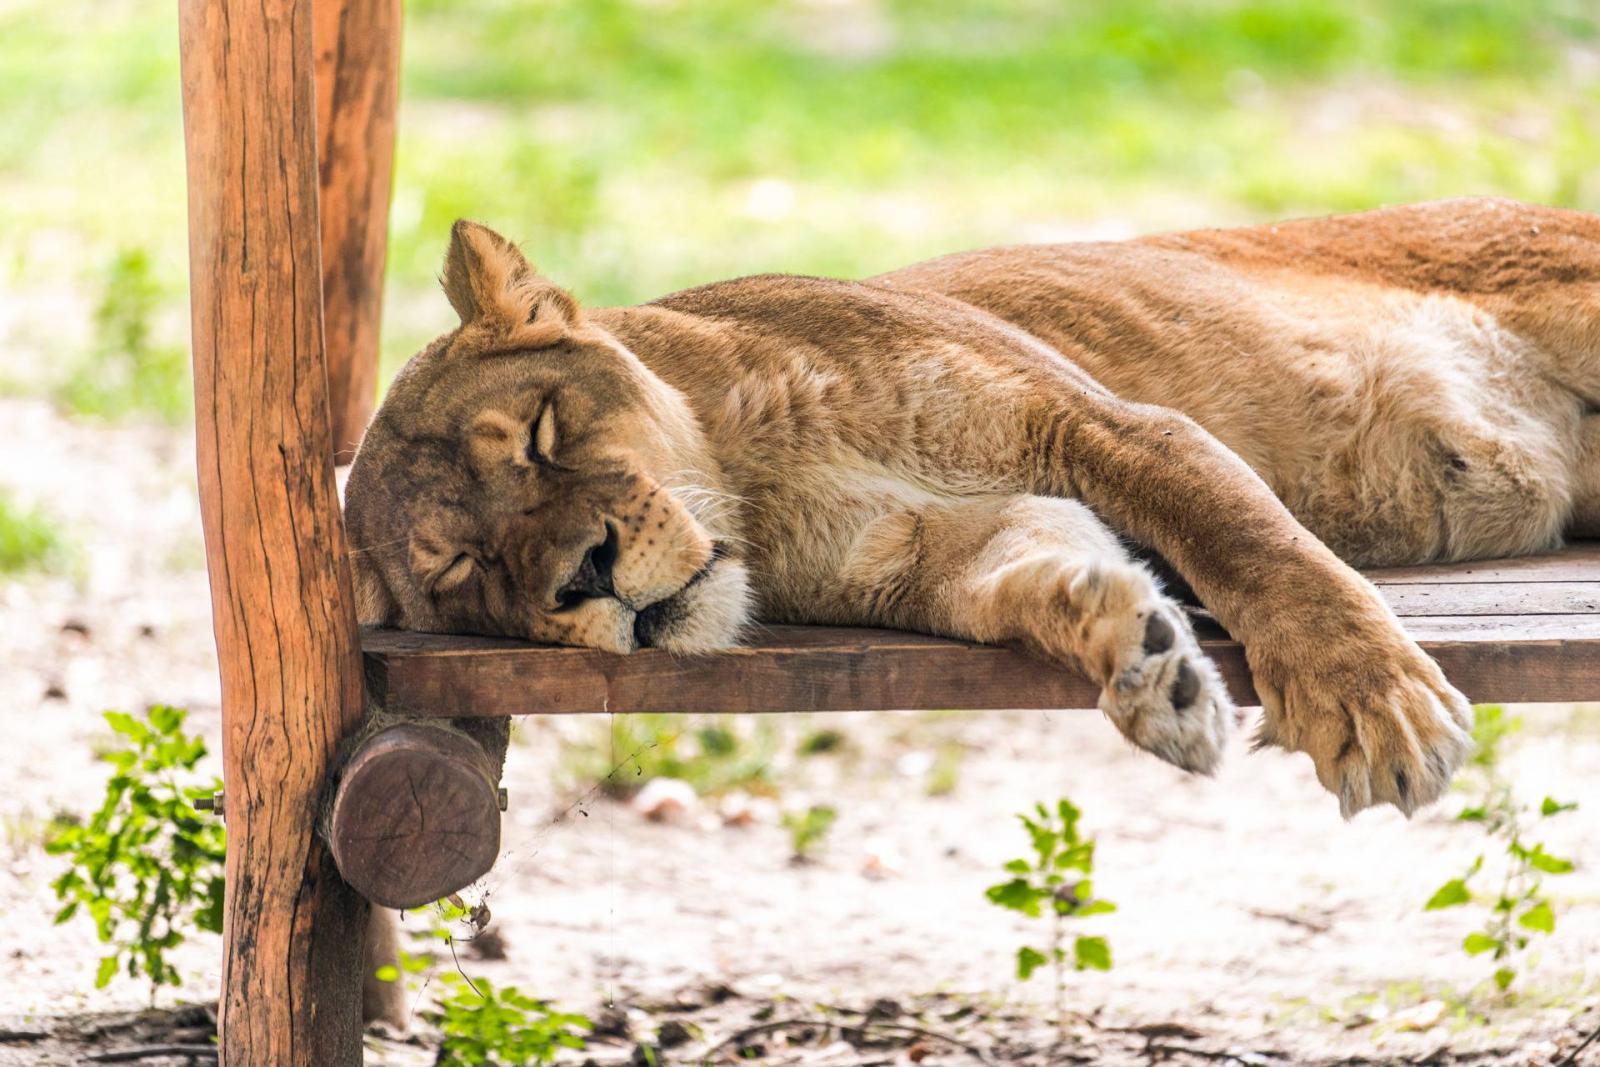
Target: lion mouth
(652, 622)
(718, 551)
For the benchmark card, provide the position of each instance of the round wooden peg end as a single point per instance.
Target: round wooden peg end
(416, 816)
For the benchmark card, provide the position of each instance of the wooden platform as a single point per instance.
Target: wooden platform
(1511, 630)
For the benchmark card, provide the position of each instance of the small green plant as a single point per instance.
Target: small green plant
(443, 923)
(712, 756)
(1519, 908)
(945, 774)
(822, 742)
(479, 1025)
(28, 541)
(808, 829)
(127, 371)
(484, 1026)
(146, 867)
(1042, 887)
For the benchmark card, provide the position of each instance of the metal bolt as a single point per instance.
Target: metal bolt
(211, 803)
(501, 798)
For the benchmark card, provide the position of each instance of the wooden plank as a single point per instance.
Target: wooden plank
(358, 88)
(1579, 561)
(1511, 630)
(1493, 598)
(790, 668)
(1522, 671)
(282, 609)
(1502, 629)
(1552, 658)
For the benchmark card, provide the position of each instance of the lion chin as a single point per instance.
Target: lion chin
(712, 611)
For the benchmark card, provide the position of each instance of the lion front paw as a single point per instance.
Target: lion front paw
(1384, 728)
(1160, 690)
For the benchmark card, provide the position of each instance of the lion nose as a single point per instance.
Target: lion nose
(593, 576)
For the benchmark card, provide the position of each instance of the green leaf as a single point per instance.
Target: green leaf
(1477, 943)
(1095, 907)
(1029, 961)
(1449, 895)
(165, 719)
(126, 725)
(1552, 807)
(1092, 953)
(1069, 815)
(1539, 917)
(66, 913)
(107, 971)
(1504, 977)
(1017, 895)
(1080, 856)
(387, 973)
(1019, 867)
(1541, 860)
(719, 741)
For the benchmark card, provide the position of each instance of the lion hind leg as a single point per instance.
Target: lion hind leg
(1585, 519)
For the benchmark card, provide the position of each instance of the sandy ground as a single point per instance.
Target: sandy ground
(1253, 925)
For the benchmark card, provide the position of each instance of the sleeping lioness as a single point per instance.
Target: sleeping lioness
(963, 447)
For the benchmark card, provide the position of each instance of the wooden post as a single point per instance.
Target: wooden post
(280, 586)
(358, 81)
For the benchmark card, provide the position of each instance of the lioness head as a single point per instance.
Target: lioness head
(528, 476)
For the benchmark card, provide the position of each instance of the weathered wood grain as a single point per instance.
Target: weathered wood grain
(416, 816)
(1579, 561)
(1497, 639)
(1493, 598)
(280, 588)
(358, 81)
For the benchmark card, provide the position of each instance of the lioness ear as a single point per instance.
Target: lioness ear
(487, 279)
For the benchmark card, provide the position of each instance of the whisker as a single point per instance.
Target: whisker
(362, 549)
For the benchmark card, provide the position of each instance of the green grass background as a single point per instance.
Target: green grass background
(637, 146)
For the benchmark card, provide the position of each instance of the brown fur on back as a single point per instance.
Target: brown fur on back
(1411, 381)
(1535, 268)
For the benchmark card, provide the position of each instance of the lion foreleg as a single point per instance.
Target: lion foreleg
(1339, 678)
(1048, 575)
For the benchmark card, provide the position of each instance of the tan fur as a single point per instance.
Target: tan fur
(1410, 382)
(959, 446)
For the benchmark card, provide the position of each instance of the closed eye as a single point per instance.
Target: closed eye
(542, 439)
(452, 577)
